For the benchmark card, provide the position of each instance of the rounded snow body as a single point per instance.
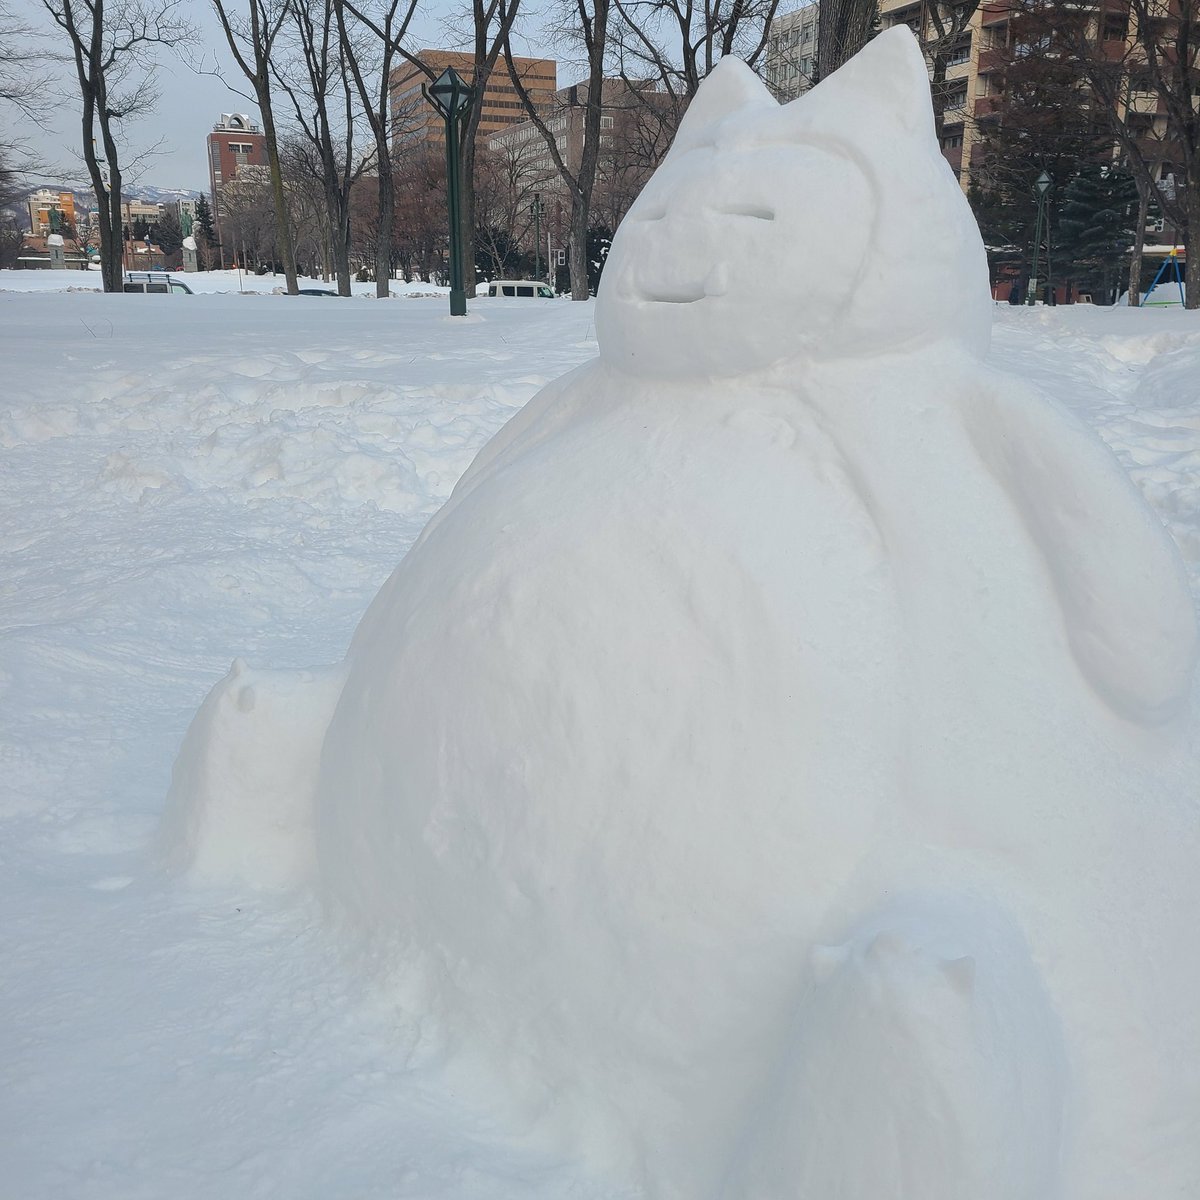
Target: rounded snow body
(761, 710)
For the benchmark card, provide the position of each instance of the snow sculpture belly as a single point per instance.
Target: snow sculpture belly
(778, 758)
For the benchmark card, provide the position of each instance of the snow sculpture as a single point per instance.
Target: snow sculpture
(777, 762)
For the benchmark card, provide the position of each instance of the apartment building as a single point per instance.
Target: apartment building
(631, 115)
(791, 57)
(415, 121)
(791, 64)
(49, 211)
(975, 75)
(962, 76)
(146, 211)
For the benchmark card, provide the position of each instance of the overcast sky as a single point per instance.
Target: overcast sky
(190, 103)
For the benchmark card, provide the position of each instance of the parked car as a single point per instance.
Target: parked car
(311, 291)
(158, 282)
(521, 288)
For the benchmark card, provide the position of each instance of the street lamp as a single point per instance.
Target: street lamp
(1042, 186)
(536, 208)
(451, 95)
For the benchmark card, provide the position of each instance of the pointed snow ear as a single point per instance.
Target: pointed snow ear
(887, 76)
(730, 88)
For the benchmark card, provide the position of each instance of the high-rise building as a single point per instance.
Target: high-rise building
(415, 120)
(235, 142)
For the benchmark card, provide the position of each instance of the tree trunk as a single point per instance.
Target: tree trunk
(578, 262)
(466, 203)
(937, 91)
(340, 220)
(110, 234)
(386, 222)
(283, 225)
(1139, 241)
(1191, 236)
(111, 246)
(842, 31)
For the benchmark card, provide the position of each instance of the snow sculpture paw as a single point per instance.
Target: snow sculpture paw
(924, 1063)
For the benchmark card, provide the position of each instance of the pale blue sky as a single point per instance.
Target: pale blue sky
(189, 105)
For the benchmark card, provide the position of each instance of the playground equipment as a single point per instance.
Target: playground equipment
(1172, 259)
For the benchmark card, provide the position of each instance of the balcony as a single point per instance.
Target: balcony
(991, 60)
(1145, 104)
(986, 106)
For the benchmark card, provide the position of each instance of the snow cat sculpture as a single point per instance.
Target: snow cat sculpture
(776, 765)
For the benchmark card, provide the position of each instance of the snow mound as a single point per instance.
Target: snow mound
(775, 765)
(241, 792)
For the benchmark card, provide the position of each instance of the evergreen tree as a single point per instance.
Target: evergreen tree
(204, 221)
(1096, 226)
(140, 230)
(599, 241)
(167, 234)
(1043, 120)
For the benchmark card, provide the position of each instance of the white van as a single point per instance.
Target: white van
(524, 288)
(155, 281)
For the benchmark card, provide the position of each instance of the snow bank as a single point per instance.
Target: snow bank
(204, 283)
(776, 764)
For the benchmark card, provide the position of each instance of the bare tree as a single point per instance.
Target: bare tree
(248, 217)
(21, 80)
(252, 39)
(947, 26)
(420, 211)
(113, 47)
(590, 26)
(663, 50)
(485, 26)
(308, 217)
(676, 43)
(508, 176)
(319, 87)
(389, 26)
(1141, 59)
(844, 28)
(22, 83)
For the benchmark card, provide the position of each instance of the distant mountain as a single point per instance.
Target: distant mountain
(156, 195)
(133, 191)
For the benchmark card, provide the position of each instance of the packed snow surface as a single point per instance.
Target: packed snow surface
(765, 769)
(772, 782)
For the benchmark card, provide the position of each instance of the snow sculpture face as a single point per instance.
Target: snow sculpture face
(765, 235)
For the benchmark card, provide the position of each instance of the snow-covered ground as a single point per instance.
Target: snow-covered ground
(203, 283)
(185, 479)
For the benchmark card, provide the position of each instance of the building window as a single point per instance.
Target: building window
(956, 99)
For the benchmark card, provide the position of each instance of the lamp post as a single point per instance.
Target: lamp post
(451, 95)
(1042, 186)
(537, 209)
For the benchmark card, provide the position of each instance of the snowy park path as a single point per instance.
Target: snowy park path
(182, 484)
(186, 482)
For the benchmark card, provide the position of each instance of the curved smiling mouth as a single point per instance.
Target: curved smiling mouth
(675, 296)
